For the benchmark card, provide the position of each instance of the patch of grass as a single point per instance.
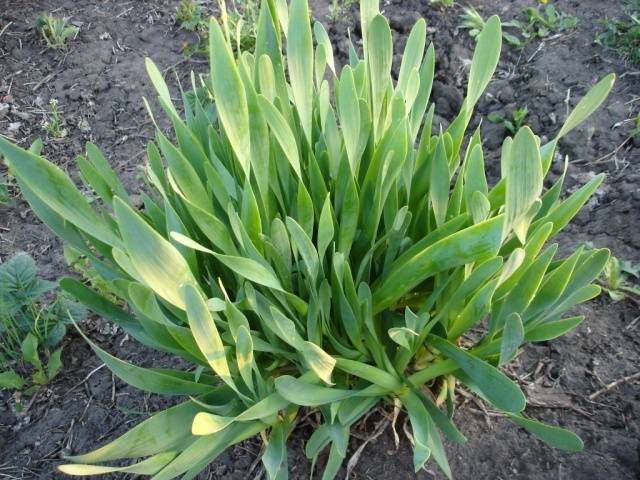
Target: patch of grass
(623, 35)
(55, 30)
(30, 327)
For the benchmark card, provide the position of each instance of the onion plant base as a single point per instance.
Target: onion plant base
(308, 242)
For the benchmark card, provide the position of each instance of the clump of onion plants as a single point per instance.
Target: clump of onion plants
(307, 242)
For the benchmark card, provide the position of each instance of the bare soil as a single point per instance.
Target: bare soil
(99, 82)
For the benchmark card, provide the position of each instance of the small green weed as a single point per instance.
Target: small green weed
(616, 279)
(190, 16)
(5, 197)
(53, 122)
(538, 23)
(55, 31)
(512, 124)
(543, 22)
(31, 329)
(474, 23)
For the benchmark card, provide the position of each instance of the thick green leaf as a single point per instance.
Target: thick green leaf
(304, 246)
(319, 361)
(300, 63)
(54, 364)
(205, 423)
(552, 329)
(439, 183)
(322, 38)
(149, 380)
(524, 182)
(563, 213)
(205, 333)
(588, 104)
(325, 228)
(156, 260)
(349, 111)
(275, 454)
(282, 132)
(244, 356)
(495, 385)
(371, 374)
(230, 97)
(29, 349)
(420, 428)
(204, 450)
(165, 431)
(412, 56)
(466, 246)
(403, 336)
(485, 60)
(307, 394)
(11, 380)
(251, 270)
(149, 466)
(554, 436)
(474, 311)
(380, 55)
(512, 337)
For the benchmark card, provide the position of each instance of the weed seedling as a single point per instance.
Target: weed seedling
(55, 31)
(542, 23)
(190, 16)
(5, 198)
(53, 121)
(474, 23)
(537, 24)
(512, 124)
(616, 279)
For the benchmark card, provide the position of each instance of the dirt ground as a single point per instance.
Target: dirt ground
(99, 83)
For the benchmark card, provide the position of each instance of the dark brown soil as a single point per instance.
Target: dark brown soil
(99, 82)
